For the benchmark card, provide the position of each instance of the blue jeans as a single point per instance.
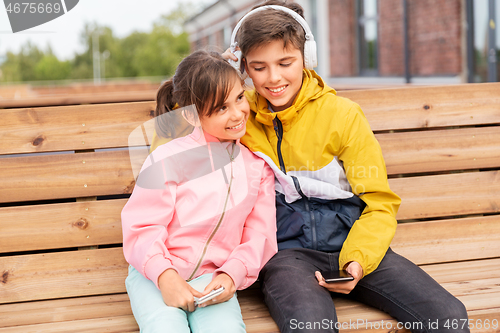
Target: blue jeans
(153, 315)
(298, 304)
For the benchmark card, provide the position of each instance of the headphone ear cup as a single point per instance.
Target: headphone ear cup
(314, 54)
(307, 56)
(310, 55)
(239, 65)
(236, 64)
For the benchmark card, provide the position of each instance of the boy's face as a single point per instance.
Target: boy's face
(276, 72)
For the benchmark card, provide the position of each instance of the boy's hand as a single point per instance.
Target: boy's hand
(229, 55)
(176, 291)
(354, 268)
(221, 280)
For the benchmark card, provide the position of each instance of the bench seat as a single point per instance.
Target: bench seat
(476, 284)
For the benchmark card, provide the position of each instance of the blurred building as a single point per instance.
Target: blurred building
(382, 41)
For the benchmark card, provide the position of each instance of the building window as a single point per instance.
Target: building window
(486, 18)
(367, 18)
(496, 23)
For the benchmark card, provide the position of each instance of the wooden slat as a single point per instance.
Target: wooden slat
(105, 173)
(448, 240)
(486, 287)
(111, 97)
(441, 150)
(94, 223)
(448, 195)
(71, 127)
(464, 271)
(67, 175)
(120, 324)
(90, 88)
(62, 274)
(426, 107)
(70, 309)
(75, 224)
(482, 301)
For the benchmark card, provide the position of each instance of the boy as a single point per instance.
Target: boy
(335, 209)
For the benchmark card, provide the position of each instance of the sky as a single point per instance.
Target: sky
(63, 33)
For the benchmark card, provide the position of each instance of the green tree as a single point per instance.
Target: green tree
(21, 66)
(10, 68)
(159, 52)
(51, 68)
(129, 45)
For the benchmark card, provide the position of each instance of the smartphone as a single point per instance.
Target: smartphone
(337, 276)
(209, 296)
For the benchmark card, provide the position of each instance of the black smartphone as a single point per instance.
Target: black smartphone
(337, 276)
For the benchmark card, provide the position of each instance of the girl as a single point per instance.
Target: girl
(202, 213)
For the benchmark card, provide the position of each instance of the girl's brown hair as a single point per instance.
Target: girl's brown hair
(203, 79)
(270, 25)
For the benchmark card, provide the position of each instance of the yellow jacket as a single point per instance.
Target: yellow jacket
(327, 145)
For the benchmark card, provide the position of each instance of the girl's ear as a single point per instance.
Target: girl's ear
(191, 116)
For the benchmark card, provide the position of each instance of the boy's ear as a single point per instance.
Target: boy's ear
(244, 64)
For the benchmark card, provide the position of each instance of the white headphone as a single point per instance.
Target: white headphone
(310, 55)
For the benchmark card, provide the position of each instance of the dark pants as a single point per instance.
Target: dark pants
(298, 304)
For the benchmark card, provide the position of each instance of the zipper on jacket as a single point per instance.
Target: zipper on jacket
(279, 133)
(311, 213)
(205, 248)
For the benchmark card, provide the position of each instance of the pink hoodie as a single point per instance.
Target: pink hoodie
(190, 223)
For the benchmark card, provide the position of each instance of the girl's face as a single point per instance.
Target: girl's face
(229, 122)
(276, 73)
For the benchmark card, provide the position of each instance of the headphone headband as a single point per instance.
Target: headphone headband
(297, 17)
(310, 54)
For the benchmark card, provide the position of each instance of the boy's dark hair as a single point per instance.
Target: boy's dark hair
(203, 79)
(270, 25)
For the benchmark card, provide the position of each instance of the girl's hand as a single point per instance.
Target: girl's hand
(229, 55)
(221, 280)
(354, 268)
(176, 291)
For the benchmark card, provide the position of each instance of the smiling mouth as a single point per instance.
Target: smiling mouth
(240, 125)
(277, 90)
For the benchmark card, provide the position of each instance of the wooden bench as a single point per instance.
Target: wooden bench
(65, 174)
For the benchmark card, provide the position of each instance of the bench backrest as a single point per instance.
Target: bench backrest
(65, 174)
